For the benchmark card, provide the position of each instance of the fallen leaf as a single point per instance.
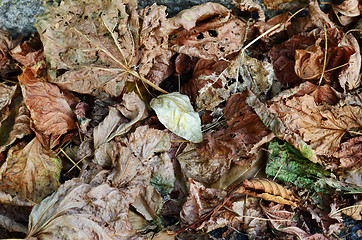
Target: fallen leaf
(6, 95)
(50, 112)
(320, 127)
(211, 40)
(86, 52)
(148, 203)
(283, 220)
(7, 65)
(347, 11)
(237, 141)
(284, 4)
(155, 54)
(349, 78)
(250, 6)
(354, 211)
(12, 226)
(175, 111)
(83, 211)
(150, 146)
(271, 191)
(241, 214)
(350, 152)
(31, 173)
(120, 119)
(30, 55)
(21, 127)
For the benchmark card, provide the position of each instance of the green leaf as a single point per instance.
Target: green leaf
(175, 111)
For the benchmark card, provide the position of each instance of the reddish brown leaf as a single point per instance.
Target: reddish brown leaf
(350, 153)
(207, 161)
(6, 44)
(347, 12)
(50, 112)
(321, 94)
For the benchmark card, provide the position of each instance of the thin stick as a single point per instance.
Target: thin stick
(325, 55)
(340, 210)
(69, 158)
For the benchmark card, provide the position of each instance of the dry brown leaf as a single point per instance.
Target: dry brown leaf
(155, 56)
(120, 119)
(31, 173)
(283, 220)
(84, 211)
(242, 214)
(350, 153)
(20, 128)
(284, 4)
(50, 111)
(272, 191)
(7, 65)
(214, 39)
(210, 159)
(354, 211)
(250, 6)
(309, 62)
(30, 55)
(347, 11)
(87, 52)
(6, 95)
(349, 78)
(320, 127)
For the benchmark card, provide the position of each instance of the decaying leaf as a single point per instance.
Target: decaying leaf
(284, 4)
(347, 11)
(283, 220)
(7, 65)
(12, 226)
(50, 111)
(175, 111)
(6, 95)
(320, 127)
(20, 128)
(120, 119)
(150, 146)
(155, 58)
(272, 191)
(250, 6)
(354, 211)
(31, 173)
(215, 39)
(88, 52)
(350, 152)
(241, 214)
(83, 211)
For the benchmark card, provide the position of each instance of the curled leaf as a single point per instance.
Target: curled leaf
(271, 191)
(354, 211)
(175, 111)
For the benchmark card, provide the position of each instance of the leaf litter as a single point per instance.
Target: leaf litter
(123, 123)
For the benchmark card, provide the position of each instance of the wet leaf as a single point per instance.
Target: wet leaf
(31, 173)
(175, 111)
(271, 191)
(84, 211)
(50, 111)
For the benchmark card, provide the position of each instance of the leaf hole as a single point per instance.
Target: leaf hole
(212, 33)
(200, 36)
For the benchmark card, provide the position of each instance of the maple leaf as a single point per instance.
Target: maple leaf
(321, 128)
(31, 173)
(50, 111)
(89, 53)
